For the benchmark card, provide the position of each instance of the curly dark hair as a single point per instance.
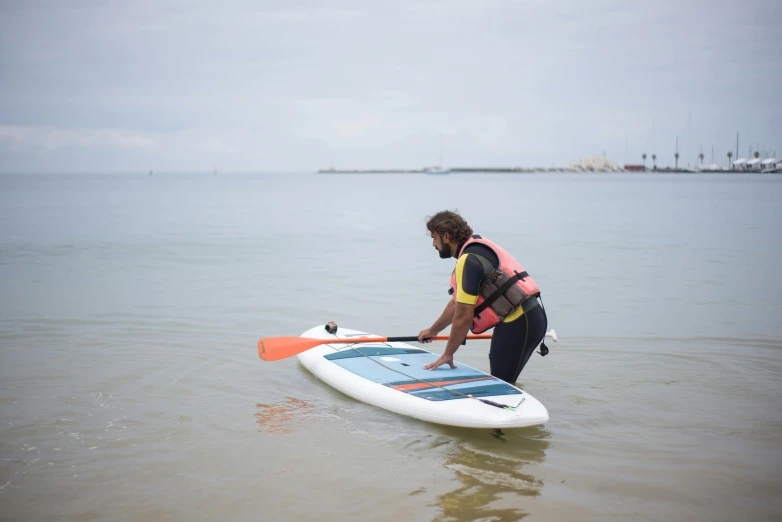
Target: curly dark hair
(449, 222)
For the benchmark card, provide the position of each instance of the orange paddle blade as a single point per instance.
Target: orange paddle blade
(275, 348)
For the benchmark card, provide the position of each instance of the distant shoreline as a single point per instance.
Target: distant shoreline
(518, 170)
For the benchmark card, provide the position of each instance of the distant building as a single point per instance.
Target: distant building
(593, 163)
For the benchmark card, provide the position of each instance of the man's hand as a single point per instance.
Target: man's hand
(425, 336)
(444, 359)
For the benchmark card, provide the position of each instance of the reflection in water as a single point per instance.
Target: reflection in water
(488, 470)
(281, 417)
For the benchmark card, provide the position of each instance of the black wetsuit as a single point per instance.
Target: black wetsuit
(513, 340)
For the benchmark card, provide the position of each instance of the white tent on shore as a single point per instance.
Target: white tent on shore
(754, 164)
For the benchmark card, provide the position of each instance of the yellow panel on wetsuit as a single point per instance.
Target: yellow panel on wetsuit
(470, 271)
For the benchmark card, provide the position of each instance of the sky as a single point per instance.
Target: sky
(110, 86)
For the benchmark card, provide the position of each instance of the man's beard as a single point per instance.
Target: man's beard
(445, 252)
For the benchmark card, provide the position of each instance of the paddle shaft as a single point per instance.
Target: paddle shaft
(397, 339)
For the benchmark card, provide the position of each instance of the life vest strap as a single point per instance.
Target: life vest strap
(499, 292)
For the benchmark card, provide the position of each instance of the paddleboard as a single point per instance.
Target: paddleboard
(391, 376)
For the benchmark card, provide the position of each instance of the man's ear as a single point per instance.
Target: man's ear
(445, 238)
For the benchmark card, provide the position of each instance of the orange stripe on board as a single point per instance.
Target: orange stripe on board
(422, 385)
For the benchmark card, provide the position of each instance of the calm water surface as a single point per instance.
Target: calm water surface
(130, 387)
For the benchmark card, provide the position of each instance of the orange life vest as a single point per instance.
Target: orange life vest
(502, 292)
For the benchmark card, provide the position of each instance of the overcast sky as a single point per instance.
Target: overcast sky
(300, 85)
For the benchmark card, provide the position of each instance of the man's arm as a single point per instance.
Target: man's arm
(469, 271)
(462, 319)
(446, 318)
(440, 324)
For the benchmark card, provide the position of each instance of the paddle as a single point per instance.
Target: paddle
(275, 348)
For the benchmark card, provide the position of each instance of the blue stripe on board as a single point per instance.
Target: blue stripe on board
(440, 379)
(438, 394)
(365, 350)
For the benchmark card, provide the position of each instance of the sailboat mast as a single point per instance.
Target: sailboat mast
(441, 150)
(689, 141)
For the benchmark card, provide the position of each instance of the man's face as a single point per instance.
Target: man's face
(441, 246)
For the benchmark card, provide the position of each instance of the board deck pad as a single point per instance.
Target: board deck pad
(402, 370)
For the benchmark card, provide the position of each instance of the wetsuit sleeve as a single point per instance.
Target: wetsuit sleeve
(469, 272)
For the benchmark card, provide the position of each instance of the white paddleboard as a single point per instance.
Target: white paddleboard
(391, 376)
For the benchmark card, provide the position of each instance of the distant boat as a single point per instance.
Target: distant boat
(436, 170)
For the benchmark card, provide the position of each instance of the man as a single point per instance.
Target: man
(489, 289)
